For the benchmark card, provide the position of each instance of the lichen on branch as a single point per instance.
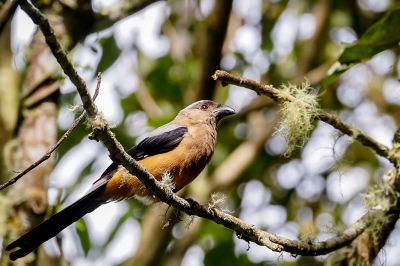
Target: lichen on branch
(297, 116)
(336, 122)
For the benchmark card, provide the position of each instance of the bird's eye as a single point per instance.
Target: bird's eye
(204, 107)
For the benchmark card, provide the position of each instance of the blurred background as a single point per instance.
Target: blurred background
(156, 58)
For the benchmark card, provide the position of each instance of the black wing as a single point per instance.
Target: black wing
(152, 145)
(157, 144)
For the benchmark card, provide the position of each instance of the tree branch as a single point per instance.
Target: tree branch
(310, 53)
(101, 131)
(367, 246)
(328, 118)
(55, 146)
(60, 55)
(215, 29)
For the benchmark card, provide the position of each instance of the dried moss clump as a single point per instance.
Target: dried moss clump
(297, 115)
(218, 201)
(167, 180)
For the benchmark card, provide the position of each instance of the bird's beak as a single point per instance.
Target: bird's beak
(223, 111)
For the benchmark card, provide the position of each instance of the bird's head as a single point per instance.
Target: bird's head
(206, 111)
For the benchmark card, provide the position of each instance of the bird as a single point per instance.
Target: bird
(178, 150)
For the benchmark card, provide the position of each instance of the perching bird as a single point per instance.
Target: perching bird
(179, 149)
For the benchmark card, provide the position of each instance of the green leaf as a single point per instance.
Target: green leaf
(81, 230)
(110, 53)
(334, 73)
(382, 35)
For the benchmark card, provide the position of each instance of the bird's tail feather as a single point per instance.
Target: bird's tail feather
(55, 224)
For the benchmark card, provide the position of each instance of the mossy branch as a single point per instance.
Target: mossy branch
(382, 200)
(101, 131)
(280, 97)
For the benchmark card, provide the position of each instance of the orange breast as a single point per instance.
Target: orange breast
(182, 164)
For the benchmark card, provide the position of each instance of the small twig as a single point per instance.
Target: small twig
(328, 118)
(47, 155)
(96, 92)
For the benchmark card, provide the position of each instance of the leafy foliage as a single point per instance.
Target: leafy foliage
(384, 34)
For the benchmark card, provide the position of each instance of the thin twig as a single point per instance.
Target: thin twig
(47, 155)
(331, 119)
(101, 131)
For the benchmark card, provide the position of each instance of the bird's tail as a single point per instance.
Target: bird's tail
(55, 224)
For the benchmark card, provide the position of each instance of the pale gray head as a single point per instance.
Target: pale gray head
(206, 111)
